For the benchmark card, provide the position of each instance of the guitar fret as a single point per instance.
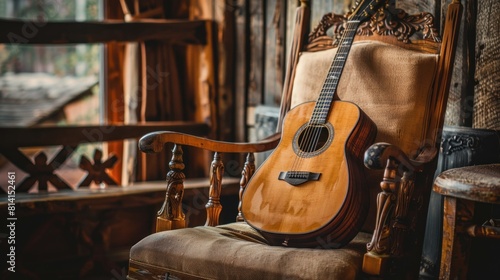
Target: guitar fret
(299, 172)
(327, 92)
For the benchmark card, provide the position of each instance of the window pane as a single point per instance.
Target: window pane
(50, 84)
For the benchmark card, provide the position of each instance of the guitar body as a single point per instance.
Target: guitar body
(307, 196)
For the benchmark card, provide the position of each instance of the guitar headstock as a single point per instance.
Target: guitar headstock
(364, 9)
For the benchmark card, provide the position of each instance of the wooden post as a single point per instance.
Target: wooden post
(301, 29)
(457, 215)
(246, 174)
(445, 66)
(213, 205)
(170, 215)
(377, 259)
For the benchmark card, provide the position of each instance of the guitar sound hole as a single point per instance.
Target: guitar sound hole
(313, 139)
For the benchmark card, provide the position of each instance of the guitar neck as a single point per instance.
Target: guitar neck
(327, 93)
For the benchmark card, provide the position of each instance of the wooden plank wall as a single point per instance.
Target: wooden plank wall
(487, 65)
(255, 35)
(253, 41)
(114, 55)
(474, 93)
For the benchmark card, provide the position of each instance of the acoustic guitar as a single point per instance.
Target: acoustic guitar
(309, 192)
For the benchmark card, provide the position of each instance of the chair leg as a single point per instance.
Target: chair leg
(457, 215)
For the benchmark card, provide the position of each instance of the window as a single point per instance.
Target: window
(50, 84)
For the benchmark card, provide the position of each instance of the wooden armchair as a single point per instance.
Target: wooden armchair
(401, 83)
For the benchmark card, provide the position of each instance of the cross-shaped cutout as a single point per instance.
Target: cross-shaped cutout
(97, 171)
(40, 171)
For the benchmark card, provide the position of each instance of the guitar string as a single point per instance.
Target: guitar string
(332, 82)
(327, 98)
(330, 86)
(312, 132)
(314, 128)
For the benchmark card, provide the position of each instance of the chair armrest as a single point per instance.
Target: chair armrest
(397, 204)
(376, 157)
(154, 142)
(171, 215)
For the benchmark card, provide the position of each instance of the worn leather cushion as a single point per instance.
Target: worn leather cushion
(236, 251)
(392, 85)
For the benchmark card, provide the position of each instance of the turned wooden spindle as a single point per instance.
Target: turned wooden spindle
(246, 174)
(213, 205)
(171, 215)
(379, 247)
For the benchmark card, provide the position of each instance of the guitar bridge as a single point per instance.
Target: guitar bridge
(296, 178)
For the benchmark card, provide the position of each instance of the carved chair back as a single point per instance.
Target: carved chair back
(398, 72)
(388, 75)
(400, 82)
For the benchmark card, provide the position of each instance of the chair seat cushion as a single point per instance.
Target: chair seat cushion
(197, 253)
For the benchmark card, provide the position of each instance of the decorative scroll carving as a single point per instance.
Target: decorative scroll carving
(393, 221)
(170, 215)
(97, 171)
(328, 21)
(403, 26)
(456, 143)
(246, 174)
(386, 21)
(213, 205)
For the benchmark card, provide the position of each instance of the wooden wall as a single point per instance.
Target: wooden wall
(254, 37)
(486, 64)
(253, 40)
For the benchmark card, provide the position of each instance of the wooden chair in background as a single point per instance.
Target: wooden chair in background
(401, 83)
(462, 188)
(461, 147)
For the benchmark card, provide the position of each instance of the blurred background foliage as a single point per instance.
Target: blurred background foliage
(74, 60)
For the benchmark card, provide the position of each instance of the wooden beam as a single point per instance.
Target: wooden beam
(14, 137)
(241, 70)
(72, 32)
(274, 63)
(257, 36)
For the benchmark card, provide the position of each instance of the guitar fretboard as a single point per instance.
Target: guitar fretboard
(327, 93)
